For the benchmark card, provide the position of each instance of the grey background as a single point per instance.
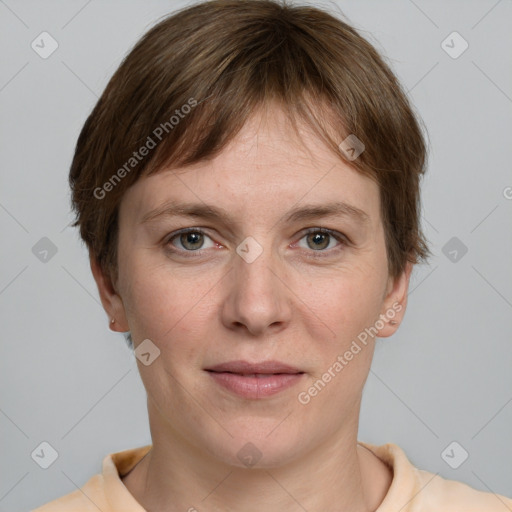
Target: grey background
(445, 376)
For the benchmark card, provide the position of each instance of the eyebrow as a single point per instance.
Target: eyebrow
(205, 211)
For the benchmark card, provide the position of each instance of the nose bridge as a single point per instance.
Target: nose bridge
(255, 272)
(257, 298)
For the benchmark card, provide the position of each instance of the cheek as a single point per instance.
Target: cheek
(350, 309)
(347, 301)
(164, 306)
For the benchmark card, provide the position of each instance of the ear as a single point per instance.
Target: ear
(395, 302)
(111, 300)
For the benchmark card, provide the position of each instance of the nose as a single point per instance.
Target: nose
(257, 300)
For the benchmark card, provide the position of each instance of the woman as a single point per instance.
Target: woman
(248, 190)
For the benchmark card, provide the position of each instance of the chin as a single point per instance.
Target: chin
(257, 444)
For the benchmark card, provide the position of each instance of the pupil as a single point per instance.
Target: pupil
(192, 239)
(318, 238)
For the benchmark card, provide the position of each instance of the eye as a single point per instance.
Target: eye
(194, 240)
(322, 240)
(190, 240)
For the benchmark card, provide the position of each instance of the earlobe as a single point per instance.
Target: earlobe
(111, 301)
(395, 303)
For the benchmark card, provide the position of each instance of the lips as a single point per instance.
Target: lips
(246, 368)
(255, 380)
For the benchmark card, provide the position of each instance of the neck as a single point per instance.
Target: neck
(338, 475)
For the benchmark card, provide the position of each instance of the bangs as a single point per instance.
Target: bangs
(192, 82)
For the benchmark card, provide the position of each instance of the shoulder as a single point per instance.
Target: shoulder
(453, 496)
(415, 490)
(105, 491)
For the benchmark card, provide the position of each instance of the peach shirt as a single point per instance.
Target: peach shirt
(411, 490)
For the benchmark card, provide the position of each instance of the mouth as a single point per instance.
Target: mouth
(255, 380)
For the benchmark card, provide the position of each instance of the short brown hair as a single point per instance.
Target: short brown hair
(201, 72)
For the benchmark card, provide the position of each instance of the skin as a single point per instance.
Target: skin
(287, 305)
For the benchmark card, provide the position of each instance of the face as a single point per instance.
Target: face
(269, 259)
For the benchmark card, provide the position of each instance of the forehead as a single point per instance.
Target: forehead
(266, 167)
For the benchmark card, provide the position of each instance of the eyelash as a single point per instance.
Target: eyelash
(339, 237)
